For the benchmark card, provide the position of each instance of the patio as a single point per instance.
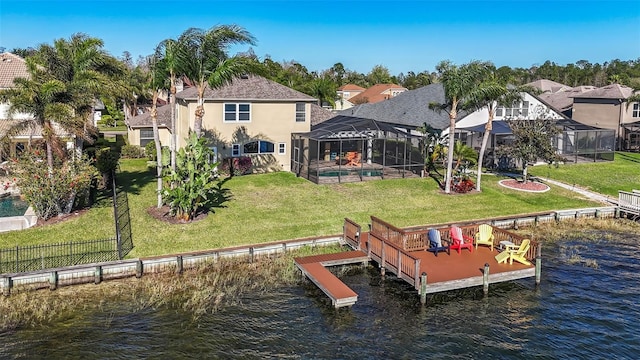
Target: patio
(350, 149)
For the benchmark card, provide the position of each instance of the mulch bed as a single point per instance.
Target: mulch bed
(162, 214)
(531, 186)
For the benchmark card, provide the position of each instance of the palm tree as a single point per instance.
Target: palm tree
(491, 94)
(323, 89)
(460, 83)
(87, 71)
(157, 82)
(170, 51)
(46, 99)
(463, 153)
(205, 60)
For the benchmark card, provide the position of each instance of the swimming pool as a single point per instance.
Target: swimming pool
(12, 206)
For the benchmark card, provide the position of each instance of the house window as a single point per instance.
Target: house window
(300, 112)
(525, 109)
(146, 136)
(258, 147)
(345, 94)
(237, 112)
(636, 110)
(499, 111)
(282, 148)
(235, 150)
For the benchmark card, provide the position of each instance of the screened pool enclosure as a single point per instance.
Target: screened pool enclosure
(350, 149)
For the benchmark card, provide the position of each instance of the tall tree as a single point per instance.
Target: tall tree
(461, 83)
(533, 141)
(171, 53)
(158, 80)
(46, 100)
(206, 61)
(379, 75)
(324, 90)
(87, 71)
(490, 94)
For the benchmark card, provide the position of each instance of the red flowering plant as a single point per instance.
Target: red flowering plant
(53, 191)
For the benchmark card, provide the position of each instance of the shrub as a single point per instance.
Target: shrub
(106, 163)
(132, 152)
(54, 193)
(150, 150)
(194, 187)
(236, 166)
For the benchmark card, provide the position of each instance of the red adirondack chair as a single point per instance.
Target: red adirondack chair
(460, 241)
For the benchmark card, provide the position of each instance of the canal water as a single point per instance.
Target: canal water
(587, 307)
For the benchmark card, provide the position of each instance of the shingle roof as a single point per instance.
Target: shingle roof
(613, 91)
(375, 94)
(563, 100)
(410, 108)
(548, 86)
(251, 87)
(351, 87)
(320, 114)
(144, 120)
(11, 67)
(30, 132)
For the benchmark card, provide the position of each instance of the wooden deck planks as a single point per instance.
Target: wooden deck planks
(313, 267)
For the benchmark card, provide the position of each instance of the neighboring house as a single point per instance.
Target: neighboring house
(548, 86)
(346, 92)
(251, 116)
(410, 110)
(377, 93)
(606, 107)
(140, 131)
(12, 67)
(562, 100)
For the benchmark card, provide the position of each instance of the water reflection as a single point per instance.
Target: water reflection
(581, 310)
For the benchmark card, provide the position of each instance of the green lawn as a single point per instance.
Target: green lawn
(604, 177)
(279, 206)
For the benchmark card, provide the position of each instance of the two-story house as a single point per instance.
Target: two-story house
(346, 92)
(251, 116)
(606, 107)
(377, 93)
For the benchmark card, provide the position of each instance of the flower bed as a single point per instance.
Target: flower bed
(530, 186)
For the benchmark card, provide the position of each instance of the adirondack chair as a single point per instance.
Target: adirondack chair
(484, 236)
(515, 252)
(460, 241)
(436, 244)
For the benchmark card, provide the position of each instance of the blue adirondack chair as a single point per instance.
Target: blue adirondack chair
(436, 244)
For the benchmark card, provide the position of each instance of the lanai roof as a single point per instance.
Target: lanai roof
(348, 127)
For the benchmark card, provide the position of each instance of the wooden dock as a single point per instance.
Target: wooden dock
(403, 252)
(315, 268)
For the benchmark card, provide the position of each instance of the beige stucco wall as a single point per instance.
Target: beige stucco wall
(602, 114)
(133, 135)
(270, 121)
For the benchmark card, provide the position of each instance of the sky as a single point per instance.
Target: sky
(400, 35)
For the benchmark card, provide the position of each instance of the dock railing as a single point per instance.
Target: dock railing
(407, 240)
(393, 258)
(629, 202)
(351, 233)
(499, 235)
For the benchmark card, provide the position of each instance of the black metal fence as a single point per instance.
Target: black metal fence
(38, 257)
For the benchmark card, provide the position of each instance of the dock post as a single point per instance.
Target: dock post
(97, 277)
(538, 264)
(6, 287)
(53, 280)
(423, 288)
(485, 279)
(179, 264)
(251, 254)
(139, 268)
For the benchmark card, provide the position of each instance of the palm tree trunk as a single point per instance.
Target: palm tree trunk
(172, 102)
(452, 129)
(156, 139)
(197, 125)
(483, 147)
(47, 134)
